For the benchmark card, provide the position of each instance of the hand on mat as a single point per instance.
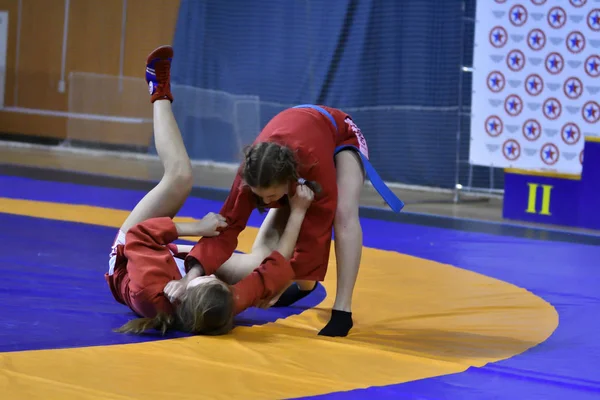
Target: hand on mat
(302, 199)
(175, 291)
(210, 225)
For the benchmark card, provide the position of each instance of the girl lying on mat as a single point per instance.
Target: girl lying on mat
(145, 272)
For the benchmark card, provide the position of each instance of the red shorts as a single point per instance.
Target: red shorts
(317, 275)
(353, 137)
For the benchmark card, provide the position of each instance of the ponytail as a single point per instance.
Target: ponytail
(161, 322)
(207, 309)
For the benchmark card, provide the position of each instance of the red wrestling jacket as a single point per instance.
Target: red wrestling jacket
(263, 283)
(314, 138)
(145, 265)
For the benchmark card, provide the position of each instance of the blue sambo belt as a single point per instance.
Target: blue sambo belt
(384, 191)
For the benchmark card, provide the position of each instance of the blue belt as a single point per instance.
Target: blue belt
(384, 191)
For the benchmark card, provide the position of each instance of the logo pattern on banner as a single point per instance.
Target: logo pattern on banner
(536, 83)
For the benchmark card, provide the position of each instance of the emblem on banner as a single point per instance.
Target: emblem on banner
(518, 15)
(513, 105)
(593, 20)
(573, 88)
(494, 126)
(591, 112)
(555, 63)
(557, 17)
(592, 66)
(552, 108)
(549, 154)
(532, 130)
(515, 60)
(511, 149)
(534, 85)
(575, 42)
(570, 133)
(498, 37)
(536, 39)
(496, 81)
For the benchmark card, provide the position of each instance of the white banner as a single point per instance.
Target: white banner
(536, 84)
(3, 46)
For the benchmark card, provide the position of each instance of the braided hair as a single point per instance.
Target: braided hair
(269, 164)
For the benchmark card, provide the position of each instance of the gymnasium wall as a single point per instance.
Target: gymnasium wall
(93, 45)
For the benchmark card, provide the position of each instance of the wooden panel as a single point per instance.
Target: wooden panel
(40, 55)
(9, 85)
(150, 23)
(35, 125)
(110, 132)
(93, 46)
(94, 36)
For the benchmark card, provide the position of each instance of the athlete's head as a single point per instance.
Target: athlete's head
(269, 168)
(206, 309)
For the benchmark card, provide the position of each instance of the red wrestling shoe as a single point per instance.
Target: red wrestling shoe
(158, 73)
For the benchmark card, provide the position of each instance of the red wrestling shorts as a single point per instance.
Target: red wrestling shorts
(353, 137)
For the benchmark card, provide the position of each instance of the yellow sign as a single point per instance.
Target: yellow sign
(532, 199)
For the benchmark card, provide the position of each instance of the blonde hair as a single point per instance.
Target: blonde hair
(206, 310)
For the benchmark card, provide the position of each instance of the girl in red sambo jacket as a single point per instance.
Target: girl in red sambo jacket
(314, 145)
(146, 271)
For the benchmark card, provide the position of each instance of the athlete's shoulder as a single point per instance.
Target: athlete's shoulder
(151, 300)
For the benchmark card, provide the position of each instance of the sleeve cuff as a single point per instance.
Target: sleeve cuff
(169, 228)
(195, 255)
(280, 269)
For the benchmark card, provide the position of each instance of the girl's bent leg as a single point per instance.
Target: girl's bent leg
(170, 193)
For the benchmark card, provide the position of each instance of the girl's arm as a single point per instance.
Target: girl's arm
(212, 252)
(265, 283)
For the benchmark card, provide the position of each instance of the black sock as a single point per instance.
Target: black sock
(292, 295)
(339, 324)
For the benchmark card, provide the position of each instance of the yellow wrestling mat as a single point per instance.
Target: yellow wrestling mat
(414, 319)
